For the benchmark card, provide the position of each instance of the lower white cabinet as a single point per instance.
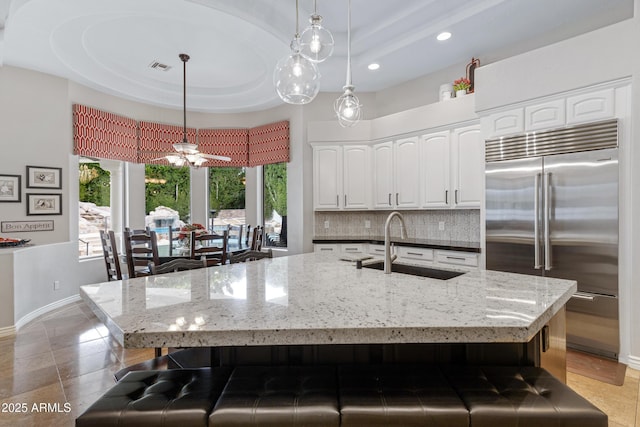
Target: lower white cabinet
(466, 259)
(409, 253)
(340, 248)
(326, 248)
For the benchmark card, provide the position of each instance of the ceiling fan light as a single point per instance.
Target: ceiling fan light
(316, 42)
(185, 147)
(296, 79)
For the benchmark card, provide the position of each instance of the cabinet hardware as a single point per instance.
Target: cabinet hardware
(345, 200)
(326, 249)
(446, 197)
(415, 253)
(456, 197)
(389, 199)
(350, 249)
(337, 200)
(397, 199)
(536, 226)
(457, 258)
(545, 338)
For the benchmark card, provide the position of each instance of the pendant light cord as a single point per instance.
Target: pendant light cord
(349, 43)
(297, 27)
(184, 58)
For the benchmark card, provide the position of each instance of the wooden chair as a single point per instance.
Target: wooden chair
(111, 258)
(212, 247)
(256, 240)
(178, 264)
(247, 236)
(236, 233)
(250, 256)
(141, 248)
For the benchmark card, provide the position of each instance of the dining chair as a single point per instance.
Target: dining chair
(111, 258)
(247, 237)
(212, 247)
(236, 233)
(250, 256)
(256, 240)
(178, 264)
(141, 247)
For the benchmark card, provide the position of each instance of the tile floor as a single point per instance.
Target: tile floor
(59, 364)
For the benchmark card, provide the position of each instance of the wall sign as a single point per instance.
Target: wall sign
(21, 226)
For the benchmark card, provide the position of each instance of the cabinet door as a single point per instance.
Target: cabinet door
(545, 116)
(356, 177)
(504, 123)
(435, 170)
(590, 107)
(327, 177)
(468, 167)
(407, 173)
(383, 176)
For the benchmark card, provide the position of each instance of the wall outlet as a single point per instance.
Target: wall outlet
(367, 223)
(441, 226)
(56, 285)
(326, 224)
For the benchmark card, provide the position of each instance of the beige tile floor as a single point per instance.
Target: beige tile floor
(67, 357)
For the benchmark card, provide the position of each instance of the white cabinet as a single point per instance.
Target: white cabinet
(547, 115)
(340, 248)
(504, 123)
(396, 174)
(592, 106)
(326, 248)
(383, 175)
(341, 177)
(467, 166)
(463, 259)
(435, 168)
(377, 249)
(412, 254)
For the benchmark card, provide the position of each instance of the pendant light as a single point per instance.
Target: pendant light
(296, 79)
(347, 106)
(316, 42)
(187, 154)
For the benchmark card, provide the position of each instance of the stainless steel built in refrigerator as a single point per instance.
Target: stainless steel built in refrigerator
(552, 210)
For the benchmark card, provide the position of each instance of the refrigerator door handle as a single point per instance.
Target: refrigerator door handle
(547, 231)
(536, 222)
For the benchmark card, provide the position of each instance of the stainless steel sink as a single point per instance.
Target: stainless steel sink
(414, 270)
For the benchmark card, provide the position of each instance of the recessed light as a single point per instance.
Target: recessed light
(445, 35)
(373, 66)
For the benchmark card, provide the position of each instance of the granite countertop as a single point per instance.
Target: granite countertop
(419, 243)
(317, 299)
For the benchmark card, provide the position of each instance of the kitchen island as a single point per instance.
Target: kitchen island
(312, 301)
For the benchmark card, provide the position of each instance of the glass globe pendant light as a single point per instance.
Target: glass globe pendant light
(296, 79)
(316, 42)
(347, 106)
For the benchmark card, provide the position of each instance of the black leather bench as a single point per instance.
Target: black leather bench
(363, 395)
(174, 397)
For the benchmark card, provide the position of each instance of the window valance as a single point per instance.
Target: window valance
(105, 135)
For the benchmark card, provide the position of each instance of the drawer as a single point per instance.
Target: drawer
(326, 248)
(376, 249)
(457, 258)
(352, 248)
(423, 254)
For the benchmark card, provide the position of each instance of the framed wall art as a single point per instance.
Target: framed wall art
(44, 177)
(44, 204)
(10, 190)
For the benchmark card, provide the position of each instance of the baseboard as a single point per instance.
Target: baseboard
(633, 362)
(9, 331)
(44, 310)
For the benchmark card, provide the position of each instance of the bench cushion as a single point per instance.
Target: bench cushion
(398, 395)
(153, 398)
(521, 397)
(278, 396)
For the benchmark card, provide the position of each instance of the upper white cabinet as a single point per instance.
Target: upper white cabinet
(383, 176)
(396, 174)
(504, 123)
(467, 148)
(591, 106)
(435, 169)
(341, 177)
(407, 173)
(547, 115)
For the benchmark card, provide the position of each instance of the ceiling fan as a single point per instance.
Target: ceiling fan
(187, 154)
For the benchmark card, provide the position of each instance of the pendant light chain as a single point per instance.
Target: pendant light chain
(349, 44)
(184, 57)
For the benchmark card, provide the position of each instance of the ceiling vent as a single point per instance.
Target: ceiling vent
(159, 66)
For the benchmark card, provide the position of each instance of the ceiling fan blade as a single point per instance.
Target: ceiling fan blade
(216, 157)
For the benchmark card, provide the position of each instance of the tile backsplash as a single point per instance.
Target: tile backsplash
(459, 225)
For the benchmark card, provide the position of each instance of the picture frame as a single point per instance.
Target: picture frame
(44, 177)
(44, 204)
(10, 188)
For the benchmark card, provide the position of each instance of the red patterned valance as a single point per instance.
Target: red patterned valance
(104, 135)
(225, 142)
(156, 141)
(269, 144)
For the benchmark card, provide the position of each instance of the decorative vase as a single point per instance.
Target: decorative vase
(461, 92)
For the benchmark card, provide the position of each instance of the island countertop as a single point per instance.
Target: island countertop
(318, 299)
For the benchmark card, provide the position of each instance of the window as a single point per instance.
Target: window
(167, 199)
(94, 206)
(226, 197)
(275, 204)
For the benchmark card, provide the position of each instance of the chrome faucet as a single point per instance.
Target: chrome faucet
(388, 258)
